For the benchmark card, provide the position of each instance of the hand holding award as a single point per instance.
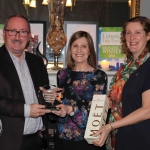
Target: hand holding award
(51, 96)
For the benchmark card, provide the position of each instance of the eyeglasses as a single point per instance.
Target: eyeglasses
(22, 33)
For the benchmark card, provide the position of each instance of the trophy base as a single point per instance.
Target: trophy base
(52, 108)
(55, 68)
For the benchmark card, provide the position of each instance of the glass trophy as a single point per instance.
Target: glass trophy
(46, 97)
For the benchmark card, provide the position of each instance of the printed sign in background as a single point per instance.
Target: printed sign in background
(1, 34)
(109, 46)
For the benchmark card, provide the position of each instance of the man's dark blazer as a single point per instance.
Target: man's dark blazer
(11, 97)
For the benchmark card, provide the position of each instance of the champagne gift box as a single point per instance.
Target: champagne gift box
(97, 116)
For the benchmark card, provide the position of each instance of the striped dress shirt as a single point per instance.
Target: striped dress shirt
(31, 124)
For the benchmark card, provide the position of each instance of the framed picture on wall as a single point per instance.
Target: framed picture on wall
(72, 26)
(110, 47)
(1, 34)
(38, 32)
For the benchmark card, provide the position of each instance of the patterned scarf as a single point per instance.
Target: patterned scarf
(115, 92)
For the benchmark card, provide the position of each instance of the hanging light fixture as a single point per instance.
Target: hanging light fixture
(45, 2)
(74, 2)
(26, 2)
(26, 5)
(33, 3)
(129, 3)
(69, 3)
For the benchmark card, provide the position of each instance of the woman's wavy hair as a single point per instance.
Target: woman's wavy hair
(92, 60)
(145, 22)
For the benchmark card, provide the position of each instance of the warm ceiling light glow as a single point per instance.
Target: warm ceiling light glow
(33, 3)
(69, 3)
(129, 3)
(45, 2)
(26, 2)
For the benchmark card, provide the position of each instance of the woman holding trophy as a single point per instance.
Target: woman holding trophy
(79, 81)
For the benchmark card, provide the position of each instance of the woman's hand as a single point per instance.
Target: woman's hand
(64, 110)
(103, 132)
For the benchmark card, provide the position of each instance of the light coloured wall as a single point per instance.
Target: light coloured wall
(145, 8)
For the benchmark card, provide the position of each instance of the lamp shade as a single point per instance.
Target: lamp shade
(33, 3)
(26, 2)
(129, 3)
(45, 2)
(69, 3)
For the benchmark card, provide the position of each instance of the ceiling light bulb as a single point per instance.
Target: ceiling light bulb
(69, 3)
(33, 3)
(45, 2)
(129, 3)
(26, 2)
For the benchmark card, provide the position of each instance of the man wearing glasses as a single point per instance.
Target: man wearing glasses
(21, 75)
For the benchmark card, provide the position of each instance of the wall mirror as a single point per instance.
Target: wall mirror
(96, 12)
(112, 13)
(111, 17)
(135, 8)
(78, 13)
